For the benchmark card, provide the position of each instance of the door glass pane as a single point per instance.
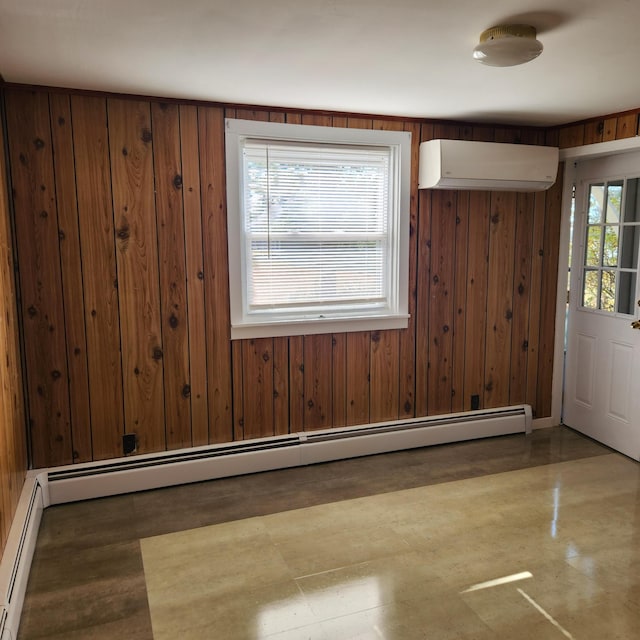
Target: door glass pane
(594, 247)
(630, 239)
(627, 292)
(590, 290)
(596, 203)
(631, 205)
(614, 200)
(608, 291)
(610, 249)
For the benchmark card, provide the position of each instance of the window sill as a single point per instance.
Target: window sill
(317, 326)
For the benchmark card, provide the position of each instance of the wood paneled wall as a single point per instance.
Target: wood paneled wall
(602, 129)
(13, 454)
(120, 216)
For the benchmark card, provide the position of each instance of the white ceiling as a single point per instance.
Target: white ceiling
(396, 57)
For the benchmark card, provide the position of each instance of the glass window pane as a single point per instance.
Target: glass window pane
(631, 203)
(610, 249)
(614, 201)
(590, 290)
(608, 291)
(593, 250)
(627, 292)
(630, 239)
(596, 203)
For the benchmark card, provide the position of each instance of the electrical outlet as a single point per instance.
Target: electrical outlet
(475, 402)
(128, 443)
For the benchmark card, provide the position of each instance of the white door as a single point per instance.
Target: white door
(602, 377)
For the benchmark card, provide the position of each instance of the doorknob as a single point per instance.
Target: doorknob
(635, 324)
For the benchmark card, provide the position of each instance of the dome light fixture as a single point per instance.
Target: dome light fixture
(507, 45)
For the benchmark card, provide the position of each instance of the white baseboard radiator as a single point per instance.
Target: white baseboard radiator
(151, 471)
(17, 556)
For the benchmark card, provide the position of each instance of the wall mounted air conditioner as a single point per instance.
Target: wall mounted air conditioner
(487, 166)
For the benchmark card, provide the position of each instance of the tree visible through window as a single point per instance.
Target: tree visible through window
(611, 246)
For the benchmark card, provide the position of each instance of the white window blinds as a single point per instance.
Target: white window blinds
(316, 227)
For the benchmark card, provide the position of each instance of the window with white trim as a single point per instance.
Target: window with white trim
(318, 225)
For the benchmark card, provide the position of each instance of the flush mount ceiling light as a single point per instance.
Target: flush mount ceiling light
(507, 45)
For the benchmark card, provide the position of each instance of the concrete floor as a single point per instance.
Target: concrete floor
(510, 537)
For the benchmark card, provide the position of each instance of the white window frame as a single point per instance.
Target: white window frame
(244, 324)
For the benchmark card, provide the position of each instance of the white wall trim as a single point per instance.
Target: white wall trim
(599, 149)
(544, 423)
(557, 386)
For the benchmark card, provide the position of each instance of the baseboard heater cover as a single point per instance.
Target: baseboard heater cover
(17, 556)
(152, 471)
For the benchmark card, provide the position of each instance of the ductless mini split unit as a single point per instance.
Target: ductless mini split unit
(487, 166)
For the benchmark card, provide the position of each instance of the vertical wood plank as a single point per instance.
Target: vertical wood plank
(358, 352)
(318, 386)
(339, 370)
(13, 455)
(482, 133)
(131, 153)
(71, 264)
(521, 298)
(593, 131)
(280, 386)
(257, 357)
(552, 137)
(296, 384)
(571, 136)
(252, 114)
(553, 210)
(500, 299)
(30, 150)
(423, 283)
(443, 228)
(537, 262)
(167, 165)
(317, 119)
(446, 131)
(627, 126)
(359, 123)
(384, 376)
(214, 213)
(507, 135)
(293, 118)
(237, 381)
(475, 317)
(532, 136)
(407, 338)
(610, 128)
(97, 234)
(194, 262)
(460, 301)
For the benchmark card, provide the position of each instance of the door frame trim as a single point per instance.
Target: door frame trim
(571, 156)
